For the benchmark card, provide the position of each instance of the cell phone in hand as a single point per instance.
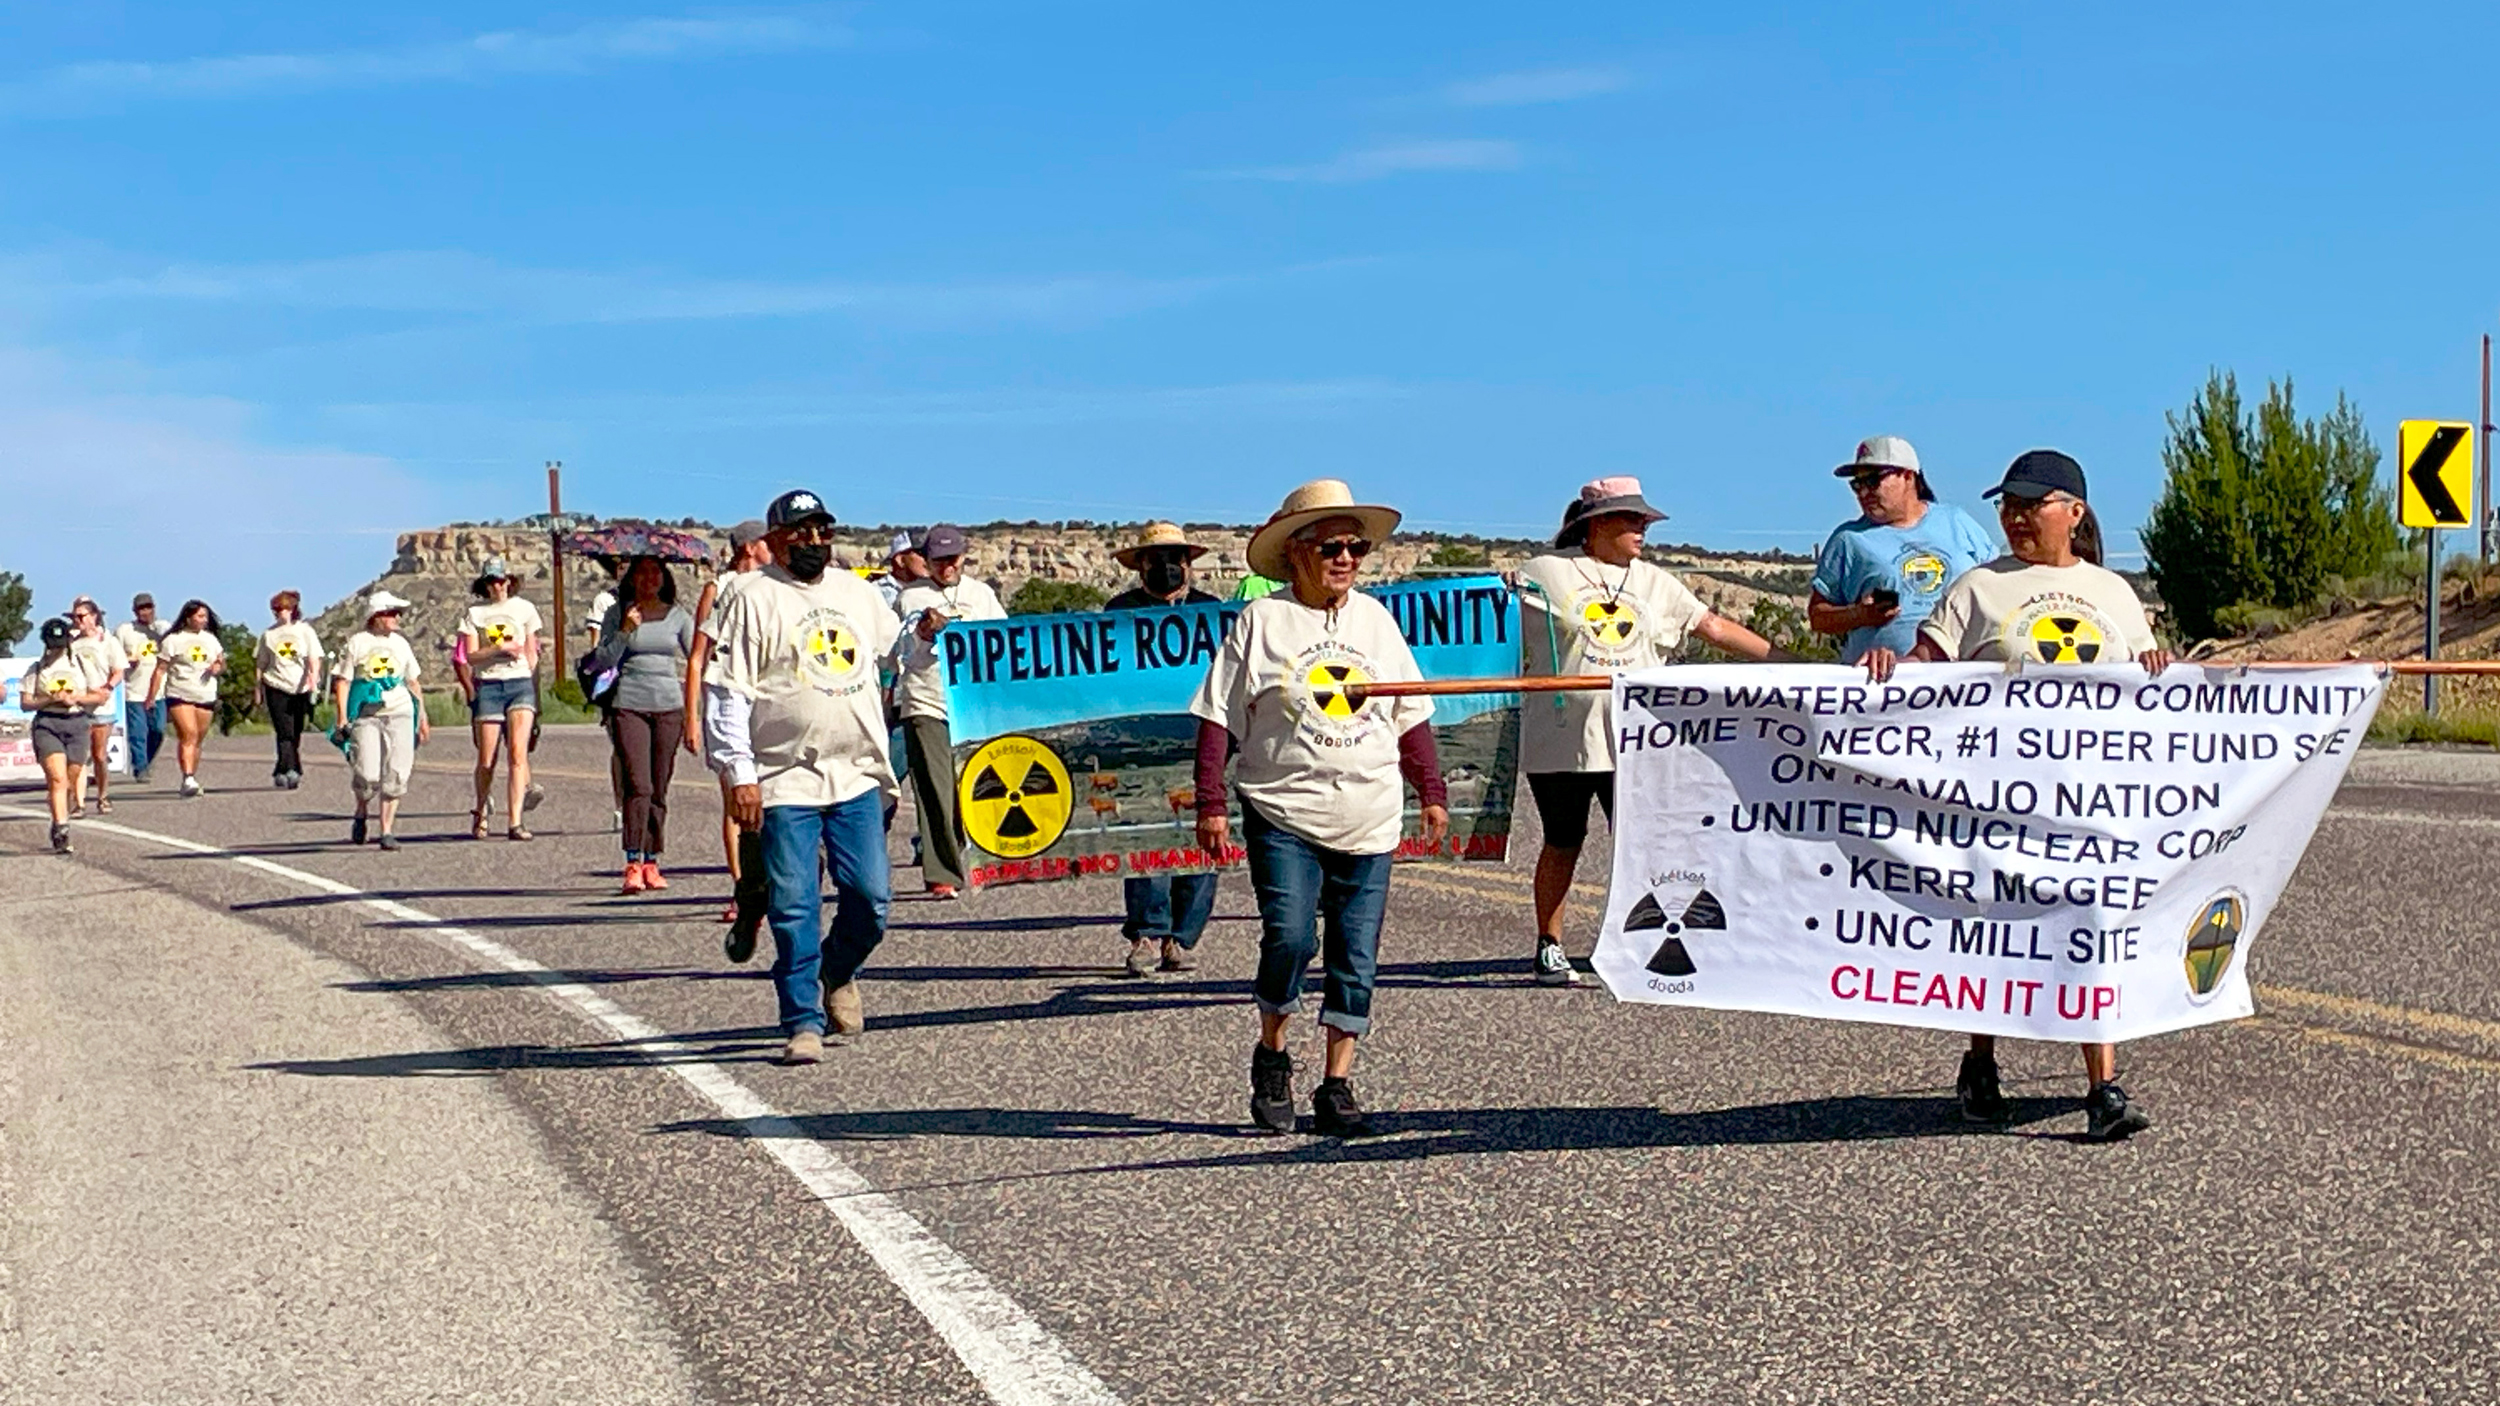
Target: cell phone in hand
(1884, 598)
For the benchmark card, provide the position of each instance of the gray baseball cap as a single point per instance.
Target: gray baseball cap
(1887, 451)
(746, 534)
(941, 541)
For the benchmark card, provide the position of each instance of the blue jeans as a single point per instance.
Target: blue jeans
(1176, 908)
(1302, 887)
(849, 839)
(145, 724)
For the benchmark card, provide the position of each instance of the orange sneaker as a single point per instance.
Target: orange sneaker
(633, 879)
(651, 875)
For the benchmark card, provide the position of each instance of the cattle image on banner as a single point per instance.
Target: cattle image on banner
(1075, 749)
(2083, 854)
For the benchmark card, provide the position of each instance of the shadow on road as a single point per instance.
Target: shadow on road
(755, 1046)
(503, 980)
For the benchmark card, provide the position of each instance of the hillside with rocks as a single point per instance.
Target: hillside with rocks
(433, 568)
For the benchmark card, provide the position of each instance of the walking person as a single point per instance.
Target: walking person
(190, 660)
(748, 554)
(502, 632)
(61, 692)
(1319, 766)
(903, 566)
(1880, 573)
(2043, 603)
(101, 654)
(792, 717)
(647, 638)
(1593, 606)
(1166, 914)
(290, 662)
(381, 716)
(927, 607)
(143, 720)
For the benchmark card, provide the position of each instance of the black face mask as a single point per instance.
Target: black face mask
(1164, 578)
(808, 560)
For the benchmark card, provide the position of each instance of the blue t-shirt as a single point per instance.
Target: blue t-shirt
(1919, 562)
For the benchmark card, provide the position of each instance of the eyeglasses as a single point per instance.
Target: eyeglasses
(2010, 506)
(811, 534)
(1336, 547)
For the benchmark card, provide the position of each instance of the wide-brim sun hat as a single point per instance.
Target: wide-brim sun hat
(1312, 502)
(1598, 497)
(1153, 535)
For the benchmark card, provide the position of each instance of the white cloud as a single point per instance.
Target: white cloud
(1539, 85)
(1381, 159)
(117, 488)
(107, 86)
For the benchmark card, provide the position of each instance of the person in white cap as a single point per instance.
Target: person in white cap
(502, 632)
(926, 608)
(1166, 913)
(381, 713)
(1319, 769)
(1592, 606)
(1882, 571)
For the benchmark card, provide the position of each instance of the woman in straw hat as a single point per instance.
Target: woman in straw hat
(1166, 912)
(1319, 769)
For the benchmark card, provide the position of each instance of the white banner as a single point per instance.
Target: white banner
(2061, 853)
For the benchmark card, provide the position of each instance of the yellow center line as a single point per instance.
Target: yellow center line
(2350, 1008)
(2394, 1049)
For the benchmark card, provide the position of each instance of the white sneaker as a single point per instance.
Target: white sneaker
(191, 787)
(1553, 965)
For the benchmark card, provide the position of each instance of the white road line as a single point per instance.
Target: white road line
(1015, 1359)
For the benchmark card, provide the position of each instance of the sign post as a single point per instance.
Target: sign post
(2435, 489)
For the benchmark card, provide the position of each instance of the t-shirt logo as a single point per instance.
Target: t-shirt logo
(1327, 696)
(197, 654)
(1611, 624)
(497, 634)
(1337, 688)
(286, 649)
(2063, 631)
(830, 656)
(60, 683)
(1922, 572)
(381, 668)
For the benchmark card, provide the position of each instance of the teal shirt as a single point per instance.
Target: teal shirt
(1918, 561)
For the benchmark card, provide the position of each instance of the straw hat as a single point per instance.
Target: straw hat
(1157, 534)
(1313, 501)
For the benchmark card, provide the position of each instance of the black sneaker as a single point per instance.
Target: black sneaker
(738, 945)
(1334, 1113)
(1982, 1098)
(60, 839)
(1553, 965)
(2112, 1118)
(1271, 1089)
(356, 831)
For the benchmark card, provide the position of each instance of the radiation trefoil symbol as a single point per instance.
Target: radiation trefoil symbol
(286, 649)
(2065, 639)
(1609, 623)
(1702, 914)
(498, 635)
(1015, 797)
(834, 648)
(1337, 689)
(2212, 940)
(381, 668)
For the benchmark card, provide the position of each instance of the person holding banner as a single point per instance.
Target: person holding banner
(927, 606)
(2039, 603)
(1880, 574)
(1319, 767)
(1592, 606)
(142, 719)
(290, 662)
(61, 691)
(189, 662)
(1166, 915)
(99, 654)
(793, 716)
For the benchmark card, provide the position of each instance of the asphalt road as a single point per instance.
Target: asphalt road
(1031, 1180)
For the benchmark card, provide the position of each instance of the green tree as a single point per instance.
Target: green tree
(1458, 554)
(238, 688)
(2262, 509)
(1043, 597)
(15, 603)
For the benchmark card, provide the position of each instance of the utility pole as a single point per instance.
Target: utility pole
(555, 534)
(2484, 423)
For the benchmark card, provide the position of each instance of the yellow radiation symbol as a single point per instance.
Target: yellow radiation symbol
(2212, 940)
(1923, 573)
(2065, 639)
(1337, 689)
(60, 683)
(498, 634)
(381, 668)
(286, 649)
(833, 647)
(1610, 623)
(148, 650)
(1014, 797)
(197, 654)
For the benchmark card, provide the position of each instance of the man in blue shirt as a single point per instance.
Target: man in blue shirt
(1880, 574)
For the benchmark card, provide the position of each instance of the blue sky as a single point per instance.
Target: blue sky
(276, 286)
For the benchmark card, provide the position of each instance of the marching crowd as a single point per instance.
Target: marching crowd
(814, 692)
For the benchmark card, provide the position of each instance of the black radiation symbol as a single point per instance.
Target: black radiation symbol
(1017, 823)
(834, 648)
(1337, 689)
(2213, 940)
(1609, 622)
(1703, 913)
(2065, 639)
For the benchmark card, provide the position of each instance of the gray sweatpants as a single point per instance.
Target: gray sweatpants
(932, 753)
(381, 753)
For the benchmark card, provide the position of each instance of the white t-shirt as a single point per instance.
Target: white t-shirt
(510, 623)
(286, 656)
(1606, 620)
(102, 656)
(920, 685)
(2080, 614)
(725, 588)
(69, 674)
(383, 659)
(806, 655)
(139, 647)
(600, 604)
(1313, 759)
(185, 656)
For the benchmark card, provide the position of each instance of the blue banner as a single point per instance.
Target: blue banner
(1034, 671)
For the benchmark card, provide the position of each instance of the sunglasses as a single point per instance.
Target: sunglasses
(1862, 482)
(812, 534)
(1336, 547)
(2010, 506)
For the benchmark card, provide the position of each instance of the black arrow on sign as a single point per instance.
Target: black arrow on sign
(2424, 473)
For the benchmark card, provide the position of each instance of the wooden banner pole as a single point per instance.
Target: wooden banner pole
(1439, 688)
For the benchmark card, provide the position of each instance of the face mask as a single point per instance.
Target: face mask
(808, 560)
(1164, 577)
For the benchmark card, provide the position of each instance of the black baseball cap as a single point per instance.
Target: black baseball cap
(2039, 473)
(795, 507)
(56, 632)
